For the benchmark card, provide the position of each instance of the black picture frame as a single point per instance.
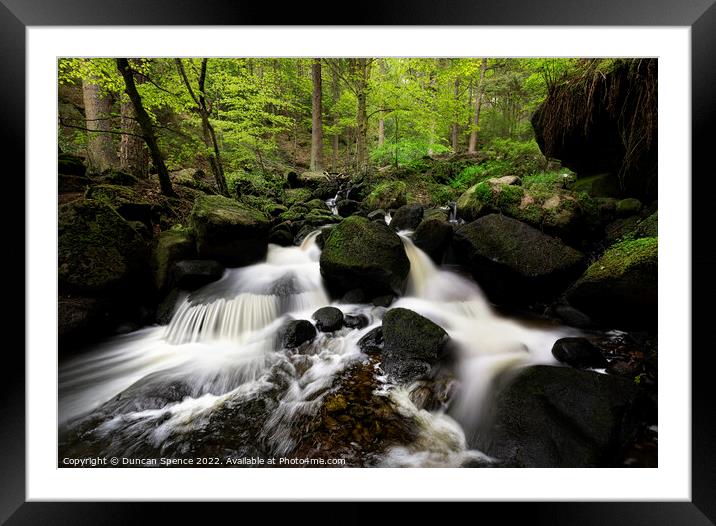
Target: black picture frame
(699, 15)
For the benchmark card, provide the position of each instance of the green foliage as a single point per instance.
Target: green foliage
(254, 183)
(548, 181)
(408, 152)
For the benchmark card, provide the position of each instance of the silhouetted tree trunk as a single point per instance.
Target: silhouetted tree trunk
(472, 146)
(316, 119)
(203, 109)
(98, 110)
(146, 125)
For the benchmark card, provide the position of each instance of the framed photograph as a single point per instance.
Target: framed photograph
(405, 260)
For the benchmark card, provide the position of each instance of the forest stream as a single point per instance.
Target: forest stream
(221, 349)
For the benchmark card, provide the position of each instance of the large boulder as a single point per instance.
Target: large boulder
(366, 255)
(386, 195)
(433, 237)
(620, 289)
(407, 217)
(604, 120)
(412, 345)
(561, 417)
(98, 251)
(228, 231)
(513, 262)
(171, 246)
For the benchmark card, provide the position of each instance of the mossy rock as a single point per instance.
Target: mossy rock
(513, 262)
(387, 195)
(292, 196)
(317, 204)
(648, 227)
(556, 212)
(628, 207)
(171, 246)
(366, 255)
(620, 288)
(98, 250)
(68, 164)
(263, 204)
(123, 199)
(320, 217)
(228, 231)
(413, 345)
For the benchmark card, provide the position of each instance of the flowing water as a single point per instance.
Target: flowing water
(162, 386)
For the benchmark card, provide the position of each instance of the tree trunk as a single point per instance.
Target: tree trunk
(316, 119)
(98, 110)
(472, 146)
(361, 71)
(381, 131)
(146, 124)
(336, 93)
(455, 130)
(202, 108)
(133, 157)
(217, 167)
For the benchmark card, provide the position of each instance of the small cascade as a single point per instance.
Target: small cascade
(452, 206)
(331, 203)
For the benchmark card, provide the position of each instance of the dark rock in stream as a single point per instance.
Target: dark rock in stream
(347, 207)
(383, 301)
(328, 319)
(193, 274)
(513, 262)
(561, 417)
(413, 346)
(407, 217)
(579, 353)
(433, 237)
(372, 343)
(357, 321)
(281, 235)
(296, 332)
(229, 231)
(364, 254)
(620, 288)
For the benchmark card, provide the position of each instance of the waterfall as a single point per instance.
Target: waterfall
(488, 344)
(220, 350)
(331, 203)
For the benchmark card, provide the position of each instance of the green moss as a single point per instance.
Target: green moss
(113, 195)
(507, 195)
(97, 249)
(386, 195)
(223, 209)
(172, 245)
(296, 195)
(623, 256)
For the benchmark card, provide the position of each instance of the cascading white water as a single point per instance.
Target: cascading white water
(331, 203)
(220, 348)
